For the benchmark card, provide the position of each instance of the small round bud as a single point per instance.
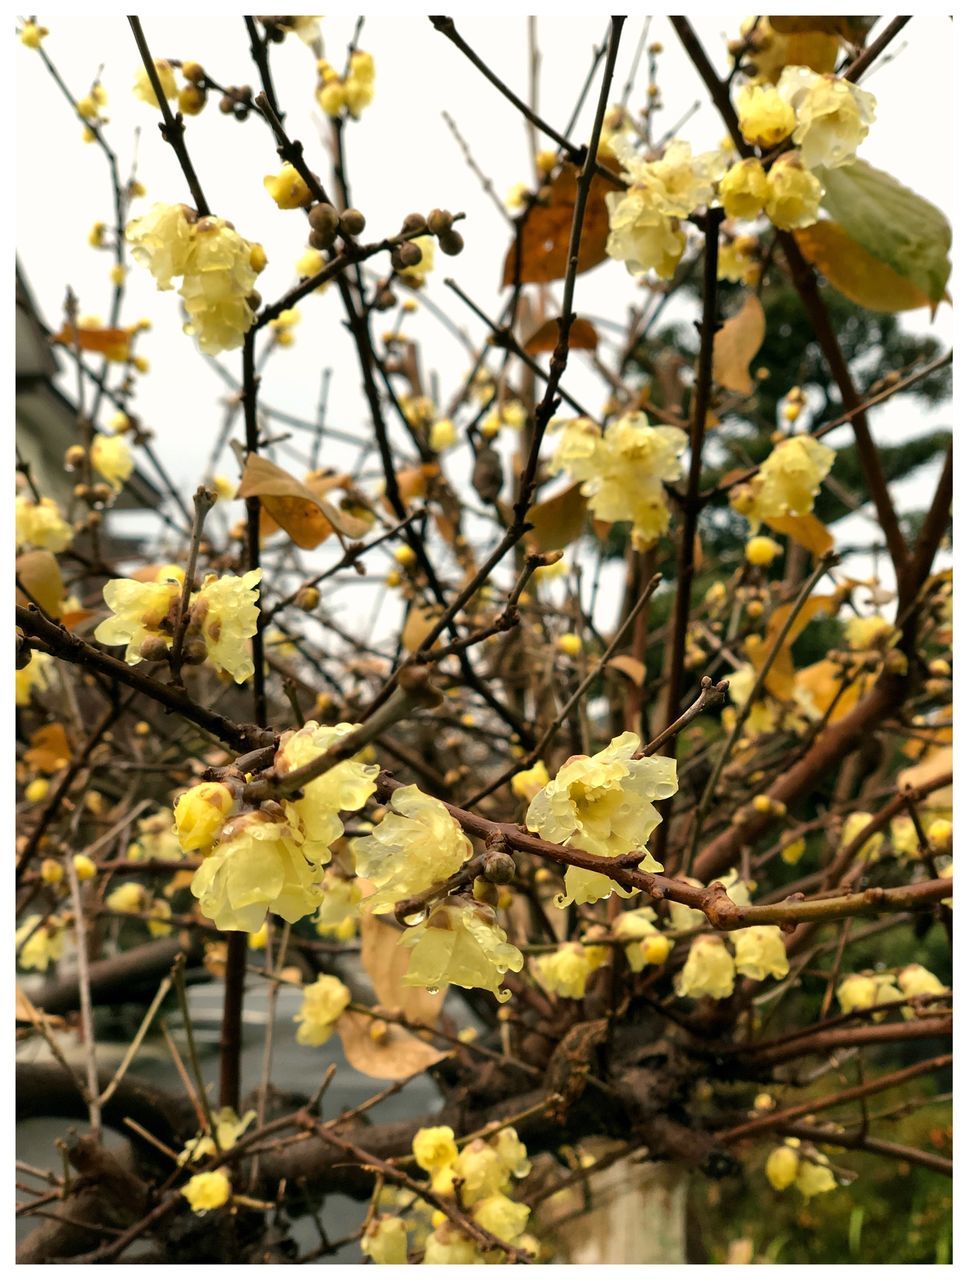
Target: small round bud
(762, 804)
(485, 892)
(408, 255)
(154, 649)
(191, 100)
(193, 72)
(101, 493)
(406, 556)
(352, 222)
(940, 835)
(440, 221)
(414, 222)
(499, 867)
(226, 105)
(74, 457)
(82, 492)
(323, 217)
(195, 652)
(451, 242)
(385, 300)
(307, 598)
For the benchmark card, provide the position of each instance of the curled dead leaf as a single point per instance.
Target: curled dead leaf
(390, 1054)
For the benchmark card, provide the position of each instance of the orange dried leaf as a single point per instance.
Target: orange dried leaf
(41, 577)
(546, 230)
(558, 520)
(394, 1054)
(418, 626)
(113, 344)
(305, 515)
(735, 345)
(49, 749)
(583, 336)
(807, 530)
(630, 667)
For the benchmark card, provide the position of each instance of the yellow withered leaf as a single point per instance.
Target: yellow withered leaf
(40, 575)
(384, 1052)
(855, 273)
(807, 530)
(304, 514)
(558, 520)
(735, 345)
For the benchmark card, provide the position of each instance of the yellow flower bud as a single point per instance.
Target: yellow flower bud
(782, 1165)
(762, 550)
(51, 871)
(570, 644)
(207, 1191)
(940, 835)
(288, 188)
(200, 814)
(36, 791)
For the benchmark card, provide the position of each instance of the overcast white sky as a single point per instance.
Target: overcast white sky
(401, 158)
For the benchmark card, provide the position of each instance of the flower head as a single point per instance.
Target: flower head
(603, 804)
(345, 787)
(833, 116)
(565, 972)
(207, 1191)
(288, 188)
(200, 814)
(743, 190)
(794, 193)
(162, 240)
(229, 618)
(140, 611)
(37, 944)
(461, 943)
(258, 866)
(217, 285)
(417, 844)
(708, 971)
(339, 911)
(765, 116)
(33, 676)
(760, 952)
(526, 783)
(434, 1148)
(323, 1002)
(385, 1241)
(915, 980)
(111, 459)
(40, 524)
(782, 1166)
(787, 482)
(502, 1216)
(145, 90)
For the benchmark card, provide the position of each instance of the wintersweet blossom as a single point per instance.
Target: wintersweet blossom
(646, 944)
(760, 952)
(765, 115)
(623, 472)
(794, 194)
(200, 814)
(258, 866)
(140, 611)
(603, 805)
(385, 1241)
(339, 912)
(162, 240)
(345, 787)
(111, 459)
(449, 1246)
(854, 824)
(833, 116)
(526, 783)
(207, 1191)
(782, 1166)
(434, 1148)
(145, 90)
(461, 943)
(915, 980)
(709, 970)
(565, 972)
(323, 1002)
(35, 675)
(502, 1216)
(288, 188)
(787, 481)
(416, 845)
(743, 189)
(228, 615)
(39, 943)
(229, 1127)
(40, 524)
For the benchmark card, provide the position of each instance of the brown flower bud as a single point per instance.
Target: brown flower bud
(414, 222)
(74, 457)
(499, 867)
(451, 242)
(352, 222)
(440, 221)
(323, 217)
(154, 649)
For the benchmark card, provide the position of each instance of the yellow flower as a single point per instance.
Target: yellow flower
(111, 459)
(854, 824)
(565, 972)
(417, 275)
(36, 791)
(142, 611)
(762, 551)
(332, 97)
(443, 435)
(160, 913)
(603, 804)
(417, 844)
(570, 644)
(323, 1002)
(40, 524)
(217, 284)
(871, 632)
(502, 1216)
(448, 1246)
(358, 86)
(200, 814)
(814, 1176)
(765, 116)
(85, 868)
(345, 787)
(228, 1129)
(640, 236)
(288, 188)
(144, 89)
(127, 898)
(794, 193)
(156, 839)
(258, 866)
(760, 952)
(385, 1241)
(792, 853)
(44, 942)
(833, 116)
(915, 980)
(526, 783)
(434, 1148)
(461, 943)
(708, 971)
(940, 835)
(309, 264)
(856, 991)
(512, 1152)
(51, 871)
(31, 35)
(229, 618)
(647, 944)
(207, 1191)
(782, 1166)
(35, 675)
(744, 189)
(339, 911)
(787, 482)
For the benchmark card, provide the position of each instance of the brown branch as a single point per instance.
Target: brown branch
(863, 1142)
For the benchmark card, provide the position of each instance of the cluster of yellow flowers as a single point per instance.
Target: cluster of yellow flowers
(862, 991)
(644, 220)
(41, 525)
(223, 615)
(786, 483)
(257, 861)
(647, 944)
(792, 1164)
(218, 269)
(565, 972)
(336, 95)
(603, 805)
(481, 1175)
(111, 459)
(624, 470)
